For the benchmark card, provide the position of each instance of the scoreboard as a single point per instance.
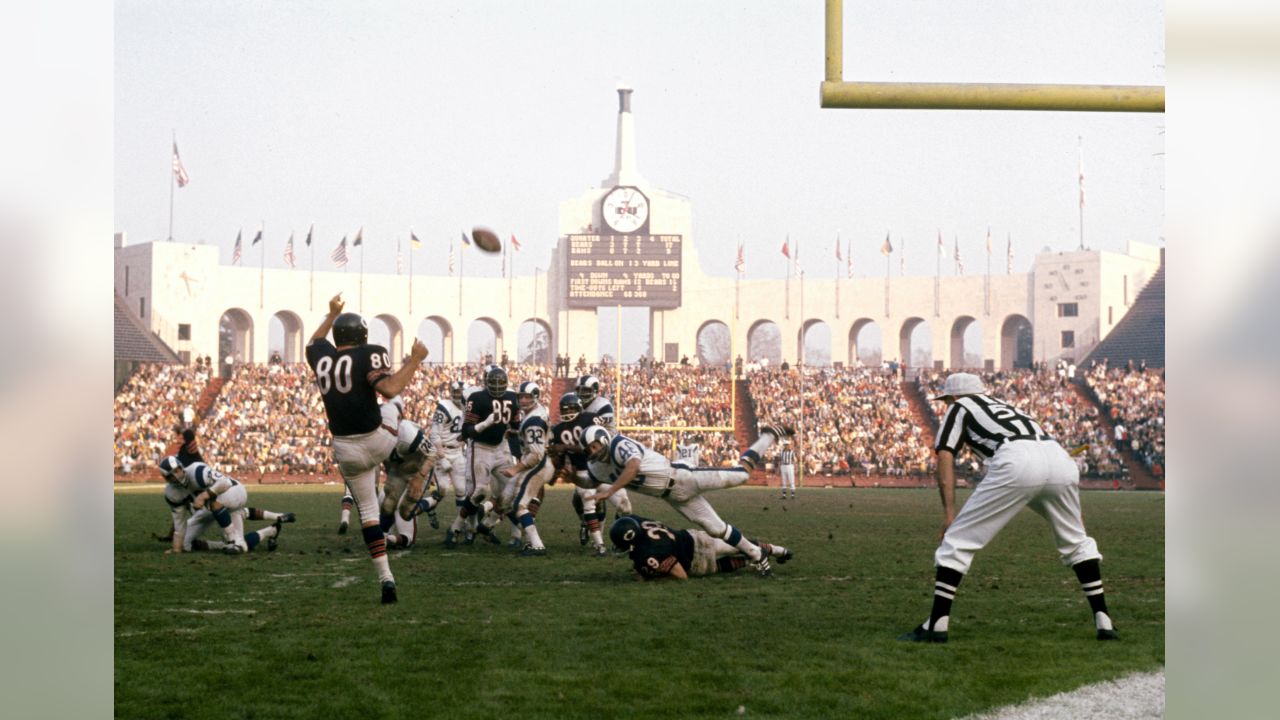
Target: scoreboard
(624, 270)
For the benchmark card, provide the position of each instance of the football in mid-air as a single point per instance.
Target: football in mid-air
(486, 239)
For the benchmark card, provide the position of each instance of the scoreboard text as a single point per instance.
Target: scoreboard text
(624, 270)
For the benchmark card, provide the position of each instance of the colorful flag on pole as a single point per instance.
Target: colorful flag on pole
(339, 254)
(839, 257)
(959, 262)
(465, 240)
(414, 242)
(451, 259)
(887, 247)
(359, 238)
(514, 242)
(288, 251)
(786, 247)
(988, 239)
(235, 253)
(741, 262)
(179, 171)
(939, 242)
(1008, 257)
(849, 254)
(256, 239)
(309, 231)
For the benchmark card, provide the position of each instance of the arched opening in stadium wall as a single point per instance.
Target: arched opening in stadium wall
(866, 343)
(1016, 342)
(284, 337)
(484, 340)
(815, 343)
(966, 343)
(915, 343)
(713, 343)
(533, 342)
(764, 343)
(390, 335)
(235, 339)
(437, 334)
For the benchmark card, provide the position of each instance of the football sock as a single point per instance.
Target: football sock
(386, 521)
(260, 514)
(597, 537)
(731, 563)
(946, 582)
(223, 516)
(734, 537)
(1089, 573)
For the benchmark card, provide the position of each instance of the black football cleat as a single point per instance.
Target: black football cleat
(920, 635)
(781, 432)
(785, 556)
(531, 551)
(342, 528)
(1108, 634)
(435, 521)
(288, 518)
(388, 592)
(582, 534)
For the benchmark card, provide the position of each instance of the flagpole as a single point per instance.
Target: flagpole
(937, 281)
(788, 246)
(888, 274)
(987, 281)
(737, 283)
(362, 272)
(510, 273)
(173, 180)
(1081, 143)
(837, 278)
(462, 251)
(262, 261)
(311, 288)
(411, 236)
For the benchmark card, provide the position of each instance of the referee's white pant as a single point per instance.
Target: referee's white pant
(1023, 473)
(358, 458)
(788, 477)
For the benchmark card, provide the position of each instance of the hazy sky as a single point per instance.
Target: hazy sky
(441, 115)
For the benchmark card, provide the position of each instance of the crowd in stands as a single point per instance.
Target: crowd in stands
(1048, 396)
(1133, 398)
(150, 404)
(848, 420)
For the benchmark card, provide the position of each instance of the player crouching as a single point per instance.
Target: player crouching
(658, 552)
(200, 496)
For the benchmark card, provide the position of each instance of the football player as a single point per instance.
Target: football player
(687, 452)
(490, 413)
(571, 464)
(402, 496)
(627, 462)
(350, 374)
(199, 496)
(533, 469)
(446, 436)
(588, 391)
(658, 552)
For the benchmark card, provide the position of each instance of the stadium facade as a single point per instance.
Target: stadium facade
(1068, 302)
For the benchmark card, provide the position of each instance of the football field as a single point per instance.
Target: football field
(482, 633)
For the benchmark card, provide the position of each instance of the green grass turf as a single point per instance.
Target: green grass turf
(479, 632)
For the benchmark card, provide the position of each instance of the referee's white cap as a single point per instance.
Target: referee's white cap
(958, 384)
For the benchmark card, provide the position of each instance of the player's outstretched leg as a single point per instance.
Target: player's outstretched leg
(769, 435)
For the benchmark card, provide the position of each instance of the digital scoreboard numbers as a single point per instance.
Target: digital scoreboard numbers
(624, 270)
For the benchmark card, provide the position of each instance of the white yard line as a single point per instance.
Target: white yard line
(1134, 697)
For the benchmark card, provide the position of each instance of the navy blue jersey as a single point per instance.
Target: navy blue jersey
(659, 548)
(346, 379)
(189, 453)
(480, 406)
(568, 435)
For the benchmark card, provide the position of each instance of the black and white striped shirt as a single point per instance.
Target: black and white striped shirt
(787, 456)
(984, 425)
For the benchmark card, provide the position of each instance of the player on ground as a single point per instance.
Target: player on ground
(199, 497)
(351, 374)
(406, 467)
(658, 552)
(626, 462)
(1025, 468)
(489, 414)
(533, 469)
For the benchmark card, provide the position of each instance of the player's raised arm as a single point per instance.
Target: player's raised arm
(394, 384)
(335, 309)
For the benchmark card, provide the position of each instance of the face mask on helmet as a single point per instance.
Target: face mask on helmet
(495, 381)
(596, 441)
(528, 395)
(588, 388)
(455, 393)
(170, 468)
(570, 407)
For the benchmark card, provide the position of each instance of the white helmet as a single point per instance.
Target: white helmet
(171, 468)
(594, 434)
(411, 439)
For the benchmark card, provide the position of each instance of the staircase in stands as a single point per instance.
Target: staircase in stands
(1139, 476)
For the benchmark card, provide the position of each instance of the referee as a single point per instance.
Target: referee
(787, 463)
(1025, 468)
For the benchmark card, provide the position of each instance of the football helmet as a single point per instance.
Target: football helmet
(170, 468)
(350, 329)
(530, 390)
(624, 532)
(596, 434)
(588, 388)
(570, 407)
(495, 381)
(456, 390)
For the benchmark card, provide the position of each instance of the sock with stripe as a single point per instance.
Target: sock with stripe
(946, 582)
(731, 563)
(347, 502)
(1089, 573)
(376, 541)
(260, 514)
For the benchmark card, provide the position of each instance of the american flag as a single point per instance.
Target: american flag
(849, 258)
(339, 254)
(179, 172)
(741, 264)
(451, 258)
(514, 242)
(786, 247)
(235, 254)
(288, 251)
(959, 262)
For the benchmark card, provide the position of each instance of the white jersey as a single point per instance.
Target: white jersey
(655, 469)
(603, 410)
(688, 454)
(446, 427)
(534, 429)
(198, 477)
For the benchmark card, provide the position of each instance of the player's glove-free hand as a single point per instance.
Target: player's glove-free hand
(489, 421)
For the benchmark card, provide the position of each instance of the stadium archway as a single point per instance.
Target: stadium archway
(764, 342)
(235, 339)
(484, 339)
(713, 343)
(815, 343)
(392, 336)
(284, 333)
(1016, 340)
(437, 334)
(866, 344)
(915, 343)
(966, 343)
(533, 342)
